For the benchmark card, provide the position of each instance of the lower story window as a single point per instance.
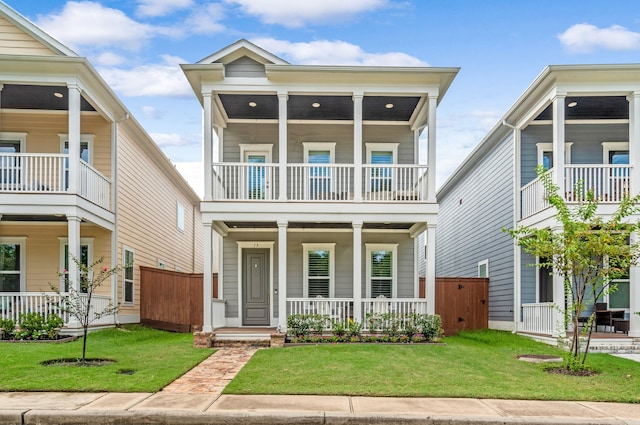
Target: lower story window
(85, 259)
(12, 264)
(381, 270)
(128, 280)
(319, 270)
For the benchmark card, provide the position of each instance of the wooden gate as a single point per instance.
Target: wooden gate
(171, 300)
(463, 303)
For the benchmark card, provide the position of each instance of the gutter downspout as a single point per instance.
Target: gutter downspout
(516, 214)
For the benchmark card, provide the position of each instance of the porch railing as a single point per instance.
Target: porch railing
(48, 173)
(13, 304)
(395, 183)
(609, 184)
(320, 182)
(341, 309)
(244, 181)
(537, 318)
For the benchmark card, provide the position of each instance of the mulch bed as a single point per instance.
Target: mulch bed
(58, 340)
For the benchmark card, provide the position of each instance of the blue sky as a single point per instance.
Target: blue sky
(500, 45)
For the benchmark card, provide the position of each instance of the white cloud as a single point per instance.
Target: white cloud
(161, 7)
(298, 13)
(109, 59)
(328, 52)
(164, 79)
(172, 139)
(151, 112)
(92, 25)
(585, 38)
(193, 173)
(206, 19)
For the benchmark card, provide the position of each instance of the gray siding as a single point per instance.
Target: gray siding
(245, 67)
(470, 224)
(527, 278)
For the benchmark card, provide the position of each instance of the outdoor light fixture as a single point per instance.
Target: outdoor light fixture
(389, 106)
(315, 104)
(253, 104)
(58, 94)
(572, 104)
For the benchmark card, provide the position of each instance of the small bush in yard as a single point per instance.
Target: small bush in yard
(36, 326)
(8, 326)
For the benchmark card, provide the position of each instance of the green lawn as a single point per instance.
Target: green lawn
(157, 357)
(479, 364)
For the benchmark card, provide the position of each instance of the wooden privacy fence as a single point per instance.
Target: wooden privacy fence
(172, 300)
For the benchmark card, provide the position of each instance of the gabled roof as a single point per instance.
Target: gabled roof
(242, 48)
(34, 31)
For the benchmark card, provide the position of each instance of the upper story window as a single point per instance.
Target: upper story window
(319, 175)
(256, 178)
(381, 178)
(86, 147)
(11, 164)
(545, 154)
(180, 216)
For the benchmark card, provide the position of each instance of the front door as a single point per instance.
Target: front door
(255, 287)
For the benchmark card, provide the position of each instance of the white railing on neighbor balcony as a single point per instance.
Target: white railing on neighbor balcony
(244, 181)
(320, 182)
(26, 172)
(533, 197)
(537, 318)
(395, 183)
(94, 186)
(608, 182)
(12, 304)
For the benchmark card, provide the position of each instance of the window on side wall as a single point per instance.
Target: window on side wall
(127, 275)
(319, 263)
(12, 264)
(483, 268)
(180, 216)
(382, 269)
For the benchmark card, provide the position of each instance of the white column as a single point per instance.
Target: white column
(282, 144)
(634, 140)
(357, 146)
(74, 138)
(282, 275)
(207, 144)
(430, 278)
(73, 237)
(634, 295)
(207, 282)
(558, 142)
(431, 153)
(559, 299)
(357, 271)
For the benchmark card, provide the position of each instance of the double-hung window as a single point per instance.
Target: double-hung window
(382, 269)
(319, 264)
(127, 275)
(12, 264)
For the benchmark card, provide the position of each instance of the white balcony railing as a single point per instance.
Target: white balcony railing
(609, 184)
(537, 318)
(48, 173)
(13, 304)
(320, 182)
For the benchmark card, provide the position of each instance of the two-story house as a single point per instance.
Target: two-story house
(80, 178)
(583, 124)
(314, 185)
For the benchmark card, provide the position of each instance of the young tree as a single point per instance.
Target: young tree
(78, 303)
(587, 252)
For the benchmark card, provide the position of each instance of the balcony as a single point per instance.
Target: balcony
(609, 184)
(320, 182)
(48, 174)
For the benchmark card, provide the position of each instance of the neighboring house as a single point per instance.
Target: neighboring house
(80, 178)
(314, 185)
(581, 122)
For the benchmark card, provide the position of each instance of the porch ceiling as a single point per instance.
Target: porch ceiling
(314, 225)
(33, 218)
(300, 107)
(17, 96)
(591, 107)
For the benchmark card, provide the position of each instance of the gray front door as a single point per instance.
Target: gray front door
(255, 287)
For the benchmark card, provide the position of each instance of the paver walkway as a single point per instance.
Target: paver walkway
(213, 373)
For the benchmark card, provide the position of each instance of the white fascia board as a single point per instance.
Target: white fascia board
(241, 48)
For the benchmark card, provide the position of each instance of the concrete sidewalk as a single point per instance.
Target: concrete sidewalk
(191, 409)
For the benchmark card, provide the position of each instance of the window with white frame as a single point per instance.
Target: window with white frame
(381, 178)
(319, 173)
(319, 273)
(483, 268)
(128, 257)
(382, 269)
(85, 257)
(257, 177)
(86, 151)
(544, 282)
(162, 264)
(180, 216)
(545, 154)
(12, 264)
(11, 165)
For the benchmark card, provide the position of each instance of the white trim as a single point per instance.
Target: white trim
(306, 247)
(319, 146)
(124, 274)
(260, 148)
(382, 147)
(548, 147)
(84, 138)
(21, 241)
(180, 216)
(257, 245)
(613, 146)
(485, 263)
(64, 241)
(393, 247)
(11, 136)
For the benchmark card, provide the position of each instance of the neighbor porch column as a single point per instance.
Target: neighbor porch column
(282, 275)
(431, 150)
(634, 139)
(357, 146)
(634, 296)
(283, 98)
(357, 271)
(559, 300)
(430, 278)
(207, 281)
(74, 138)
(558, 142)
(207, 144)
